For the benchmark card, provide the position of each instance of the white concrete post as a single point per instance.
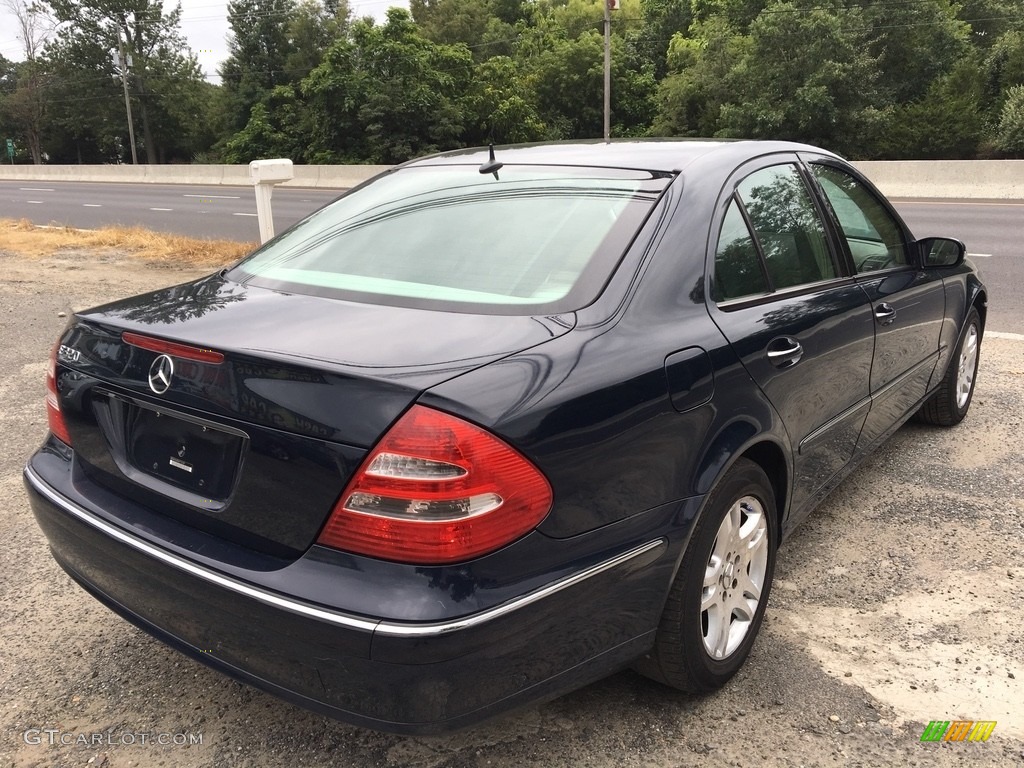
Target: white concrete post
(265, 174)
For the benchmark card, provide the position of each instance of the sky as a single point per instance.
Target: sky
(204, 24)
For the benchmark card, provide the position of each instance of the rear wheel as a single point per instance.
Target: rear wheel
(949, 404)
(718, 598)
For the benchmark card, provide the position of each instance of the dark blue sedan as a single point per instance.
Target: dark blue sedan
(496, 424)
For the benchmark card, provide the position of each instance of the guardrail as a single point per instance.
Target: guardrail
(983, 179)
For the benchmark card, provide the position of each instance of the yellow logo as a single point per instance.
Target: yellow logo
(958, 730)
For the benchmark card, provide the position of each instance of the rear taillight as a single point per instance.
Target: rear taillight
(54, 417)
(437, 489)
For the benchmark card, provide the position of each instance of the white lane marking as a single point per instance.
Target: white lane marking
(161, 209)
(980, 255)
(35, 189)
(91, 205)
(35, 202)
(244, 214)
(216, 197)
(1004, 335)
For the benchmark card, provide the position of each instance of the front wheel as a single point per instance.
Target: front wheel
(717, 600)
(949, 404)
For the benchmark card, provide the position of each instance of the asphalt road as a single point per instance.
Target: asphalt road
(991, 229)
(213, 211)
(992, 232)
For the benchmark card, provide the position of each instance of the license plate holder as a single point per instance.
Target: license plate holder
(188, 453)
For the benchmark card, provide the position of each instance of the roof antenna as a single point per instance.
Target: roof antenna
(492, 165)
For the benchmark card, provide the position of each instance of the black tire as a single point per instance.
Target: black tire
(947, 407)
(681, 657)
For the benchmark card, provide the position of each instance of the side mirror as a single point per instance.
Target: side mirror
(941, 252)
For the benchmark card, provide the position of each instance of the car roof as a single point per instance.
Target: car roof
(671, 155)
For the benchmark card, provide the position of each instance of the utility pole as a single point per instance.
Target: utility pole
(609, 6)
(124, 61)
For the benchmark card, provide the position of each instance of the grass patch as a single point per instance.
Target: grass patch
(27, 239)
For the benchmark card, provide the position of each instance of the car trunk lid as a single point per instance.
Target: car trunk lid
(256, 441)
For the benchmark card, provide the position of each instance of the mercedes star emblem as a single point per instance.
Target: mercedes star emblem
(160, 373)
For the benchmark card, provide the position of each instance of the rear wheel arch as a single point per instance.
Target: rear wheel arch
(758, 448)
(770, 457)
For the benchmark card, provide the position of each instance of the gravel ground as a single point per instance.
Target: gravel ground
(898, 602)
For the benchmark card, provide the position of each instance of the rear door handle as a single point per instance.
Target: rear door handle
(784, 352)
(885, 314)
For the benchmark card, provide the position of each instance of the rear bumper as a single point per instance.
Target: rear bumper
(388, 675)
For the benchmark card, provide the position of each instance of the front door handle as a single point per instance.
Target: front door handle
(885, 314)
(784, 352)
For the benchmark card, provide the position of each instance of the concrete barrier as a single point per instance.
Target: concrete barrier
(310, 176)
(981, 179)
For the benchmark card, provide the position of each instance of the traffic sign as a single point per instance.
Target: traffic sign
(10, 148)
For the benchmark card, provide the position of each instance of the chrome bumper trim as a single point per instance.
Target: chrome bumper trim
(337, 618)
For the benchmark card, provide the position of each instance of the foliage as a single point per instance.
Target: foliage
(1010, 133)
(163, 79)
(914, 79)
(387, 93)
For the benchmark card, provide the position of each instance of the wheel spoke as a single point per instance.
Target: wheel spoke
(727, 530)
(752, 534)
(747, 589)
(722, 641)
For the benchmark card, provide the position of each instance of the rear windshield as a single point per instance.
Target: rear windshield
(535, 240)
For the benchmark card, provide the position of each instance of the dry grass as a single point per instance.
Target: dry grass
(25, 238)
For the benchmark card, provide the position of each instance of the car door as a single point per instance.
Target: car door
(801, 325)
(907, 301)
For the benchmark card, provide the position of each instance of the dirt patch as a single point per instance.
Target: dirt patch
(898, 602)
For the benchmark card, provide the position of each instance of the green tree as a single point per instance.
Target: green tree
(260, 47)
(948, 122)
(1009, 135)
(86, 122)
(690, 97)
(912, 43)
(499, 110)
(277, 127)
(452, 21)
(1004, 65)
(314, 26)
(567, 76)
(156, 62)
(386, 94)
(804, 77)
(662, 20)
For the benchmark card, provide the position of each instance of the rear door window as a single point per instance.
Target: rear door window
(772, 237)
(738, 267)
(787, 226)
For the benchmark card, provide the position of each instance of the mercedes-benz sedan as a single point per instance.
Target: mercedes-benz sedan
(496, 424)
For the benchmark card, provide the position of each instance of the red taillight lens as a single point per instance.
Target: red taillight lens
(437, 489)
(54, 417)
